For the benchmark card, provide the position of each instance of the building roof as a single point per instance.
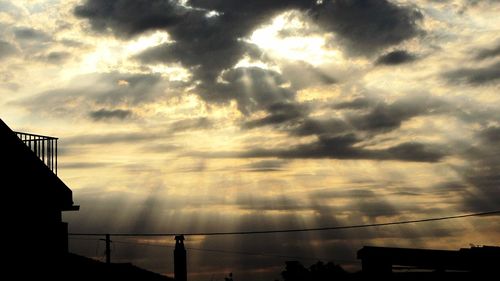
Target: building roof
(25, 178)
(463, 259)
(84, 268)
(72, 267)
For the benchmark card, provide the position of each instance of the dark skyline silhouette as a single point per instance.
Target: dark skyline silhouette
(217, 116)
(36, 245)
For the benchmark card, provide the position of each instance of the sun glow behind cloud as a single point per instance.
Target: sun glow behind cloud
(147, 41)
(111, 54)
(289, 37)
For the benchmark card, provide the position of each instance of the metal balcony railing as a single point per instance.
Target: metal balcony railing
(44, 147)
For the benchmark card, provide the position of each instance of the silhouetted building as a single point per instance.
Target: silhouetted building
(33, 197)
(35, 239)
(81, 268)
(180, 261)
(382, 260)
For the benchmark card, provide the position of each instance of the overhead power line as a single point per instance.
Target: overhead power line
(253, 232)
(241, 253)
(221, 251)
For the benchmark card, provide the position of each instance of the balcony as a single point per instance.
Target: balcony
(44, 147)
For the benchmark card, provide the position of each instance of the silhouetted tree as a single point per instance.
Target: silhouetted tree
(326, 272)
(229, 277)
(295, 271)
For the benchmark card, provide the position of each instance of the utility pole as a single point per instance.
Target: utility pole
(180, 263)
(108, 248)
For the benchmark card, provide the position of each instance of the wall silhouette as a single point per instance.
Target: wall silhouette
(34, 198)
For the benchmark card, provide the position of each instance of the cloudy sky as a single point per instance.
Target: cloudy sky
(199, 115)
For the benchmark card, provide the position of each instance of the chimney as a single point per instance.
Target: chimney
(180, 266)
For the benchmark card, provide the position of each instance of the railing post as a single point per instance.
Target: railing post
(56, 156)
(43, 150)
(44, 147)
(35, 146)
(49, 154)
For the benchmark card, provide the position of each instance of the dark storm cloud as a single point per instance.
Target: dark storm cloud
(103, 114)
(130, 17)
(58, 57)
(369, 114)
(482, 175)
(142, 136)
(162, 148)
(205, 45)
(335, 193)
(55, 57)
(194, 58)
(365, 202)
(207, 58)
(343, 147)
(417, 152)
(449, 188)
(6, 49)
(82, 165)
(34, 44)
(475, 3)
(339, 137)
(136, 88)
(481, 188)
(365, 27)
(31, 34)
(475, 76)
(488, 53)
(340, 147)
(8, 7)
(251, 7)
(253, 88)
(110, 138)
(201, 166)
(310, 126)
(376, 208)
(357, 103)
(86, 92)
(190, 124)
(279, 113)
(302, 75)
(72, 43)
(376, 116)
(389, 116)
(491, 135)
(209, 45)
(261, 203)
(395, 58)
(265, 166)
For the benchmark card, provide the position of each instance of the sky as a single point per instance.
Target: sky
(198, 115)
